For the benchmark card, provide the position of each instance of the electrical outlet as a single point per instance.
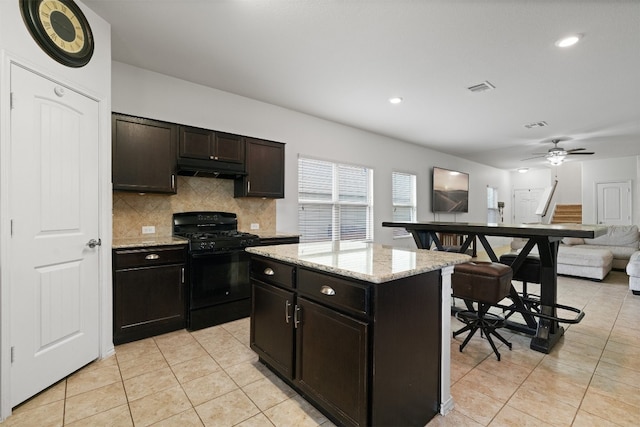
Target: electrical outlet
(148, 229)
(255, 226)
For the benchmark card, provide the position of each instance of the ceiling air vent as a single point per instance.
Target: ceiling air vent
(482, 87)
(535, 125)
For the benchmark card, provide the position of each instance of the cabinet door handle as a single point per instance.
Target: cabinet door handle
(173, 182)
(269, 272)
(248, 186)
(327, 290)
(182, 275)
(152, 256)
(287, 316)
(296, 317)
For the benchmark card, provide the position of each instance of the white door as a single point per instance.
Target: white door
(614, 203)
(54, 214)
(525, 202)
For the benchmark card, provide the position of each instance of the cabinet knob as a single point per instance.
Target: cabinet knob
(269, 272)
(152, 256)
(327, 290)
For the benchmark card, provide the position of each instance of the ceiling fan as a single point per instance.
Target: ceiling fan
(556, 155)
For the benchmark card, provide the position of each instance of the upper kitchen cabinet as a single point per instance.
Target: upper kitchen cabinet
(210, 152)
(144, 154)
(264, 164)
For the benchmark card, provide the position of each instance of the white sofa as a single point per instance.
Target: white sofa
(594, 258)
(633, 270)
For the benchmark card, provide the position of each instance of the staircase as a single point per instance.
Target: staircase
(567, 214)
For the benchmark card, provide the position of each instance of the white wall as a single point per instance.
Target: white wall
(569, 176)
(17, 46)
(148, 94)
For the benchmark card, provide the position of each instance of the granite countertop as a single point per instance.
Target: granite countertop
(148, 241)
(369, 262)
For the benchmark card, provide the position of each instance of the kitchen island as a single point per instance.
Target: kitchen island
(360, 330)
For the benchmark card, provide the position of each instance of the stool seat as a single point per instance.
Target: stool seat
(486, 283)
(528, 272)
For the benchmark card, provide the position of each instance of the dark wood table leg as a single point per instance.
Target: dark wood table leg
(549, 331)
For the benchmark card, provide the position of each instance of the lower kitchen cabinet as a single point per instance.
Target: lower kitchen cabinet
(362, 353)
(331, 360)
(272, 326)
(148, 292)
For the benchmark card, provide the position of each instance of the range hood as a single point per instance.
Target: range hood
(210, 168)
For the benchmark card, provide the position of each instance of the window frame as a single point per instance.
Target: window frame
(337, 206)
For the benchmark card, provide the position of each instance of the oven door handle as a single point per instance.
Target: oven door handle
(198, 255)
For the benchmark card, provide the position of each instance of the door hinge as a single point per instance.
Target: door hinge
(13, 354)
(11, 101)
(11, 224)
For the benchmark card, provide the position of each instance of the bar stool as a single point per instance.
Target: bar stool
(485, 283)
(529, 272)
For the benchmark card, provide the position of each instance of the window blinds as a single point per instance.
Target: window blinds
(334, 201)
(403, 198)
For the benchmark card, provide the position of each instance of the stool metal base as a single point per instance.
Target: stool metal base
(481, 320)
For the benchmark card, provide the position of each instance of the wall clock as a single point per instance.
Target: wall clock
(61, 30)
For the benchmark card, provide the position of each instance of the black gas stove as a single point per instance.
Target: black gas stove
(212, 231)
(219, 288)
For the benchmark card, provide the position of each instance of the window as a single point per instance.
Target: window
(334, 201)
(493, 214)
(403, 199)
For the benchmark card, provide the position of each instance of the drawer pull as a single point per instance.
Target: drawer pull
(327, 290)
(269, 272)
(152, 256)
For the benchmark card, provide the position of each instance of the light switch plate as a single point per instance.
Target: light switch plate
(255, 226)
(148, 229)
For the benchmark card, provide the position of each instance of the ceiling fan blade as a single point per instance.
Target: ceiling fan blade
(584, 152)
(575, 149)
(534, 157)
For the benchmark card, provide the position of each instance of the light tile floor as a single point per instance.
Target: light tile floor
(212, 378)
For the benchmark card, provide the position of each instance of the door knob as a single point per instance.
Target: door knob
(93, 243)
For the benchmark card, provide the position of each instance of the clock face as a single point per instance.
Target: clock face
(61, 30)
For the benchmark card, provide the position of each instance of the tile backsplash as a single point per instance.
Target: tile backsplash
(132, 211)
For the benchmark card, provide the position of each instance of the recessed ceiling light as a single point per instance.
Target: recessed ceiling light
(395, 100)
(523, 170)
(569, 40)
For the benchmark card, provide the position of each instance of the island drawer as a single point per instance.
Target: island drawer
(333, 291)
(274, 272)
(131, 258)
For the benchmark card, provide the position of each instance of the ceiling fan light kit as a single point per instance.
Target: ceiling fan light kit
(557, 155)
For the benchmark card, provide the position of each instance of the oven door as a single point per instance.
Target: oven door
(217, 278)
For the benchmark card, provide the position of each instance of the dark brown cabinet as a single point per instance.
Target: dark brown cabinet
(362, 353)
(144, 154)
(272, 326)
(148, 292)
(196, 143)
(331, 360)
(264, 164)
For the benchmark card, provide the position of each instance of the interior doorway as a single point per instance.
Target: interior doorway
(525, 202)
(613, 201)
(54, 243)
